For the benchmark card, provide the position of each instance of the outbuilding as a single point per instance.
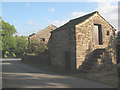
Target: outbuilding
(73, 43)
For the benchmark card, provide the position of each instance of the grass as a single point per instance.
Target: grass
(109, 77)
(31, 54)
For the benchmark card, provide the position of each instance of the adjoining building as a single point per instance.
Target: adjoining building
(71, 44)
(43, 35)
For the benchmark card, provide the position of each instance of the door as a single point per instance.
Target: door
(98, 34)
(67, 61)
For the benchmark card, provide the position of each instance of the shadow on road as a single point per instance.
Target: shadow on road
(18, 75)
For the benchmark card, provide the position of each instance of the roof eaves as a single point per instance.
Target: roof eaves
(107, 22)
(88, 17)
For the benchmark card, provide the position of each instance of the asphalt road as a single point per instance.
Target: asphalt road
(19, 75)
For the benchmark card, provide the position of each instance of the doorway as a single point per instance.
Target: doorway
(98, 34)
(67, 61)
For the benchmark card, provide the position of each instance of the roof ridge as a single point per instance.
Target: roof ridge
(77, 20)
(46, 28)
(85, 15)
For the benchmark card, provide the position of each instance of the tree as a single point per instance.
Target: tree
(21, 42)
(8, 42)
(41, 48)
(17, 45)
(118, 35)
(36, 47)
(0, 37)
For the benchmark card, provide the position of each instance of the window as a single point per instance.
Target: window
(42, 39)
(108, 33)
(114, 33)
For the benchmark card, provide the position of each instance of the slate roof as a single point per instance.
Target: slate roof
(76, 21)
(44, 31)
(47, 29)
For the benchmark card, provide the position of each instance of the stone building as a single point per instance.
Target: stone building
(74, 42)
(43, 35)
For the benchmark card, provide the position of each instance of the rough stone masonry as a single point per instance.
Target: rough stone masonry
(73, 42)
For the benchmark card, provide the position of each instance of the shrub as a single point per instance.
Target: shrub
(36, 47)
(41, 48)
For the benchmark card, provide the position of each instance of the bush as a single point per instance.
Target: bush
(41, 48)
(6, 54)
(36, 47)
(21, 43)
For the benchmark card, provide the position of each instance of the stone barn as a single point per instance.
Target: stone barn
(86, 38)
(43, 35)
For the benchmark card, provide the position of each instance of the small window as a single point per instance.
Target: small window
(114, 33)
(108, 33)
(42, 39)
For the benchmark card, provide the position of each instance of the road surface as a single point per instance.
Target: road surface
(19, 75)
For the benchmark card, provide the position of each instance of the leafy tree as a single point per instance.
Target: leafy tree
(32, 46)
(118, 35)
(8, 30)
(8, 42)
(36, 47)
(0, 37)
(21, 42)
(17, 45)
(41, 48)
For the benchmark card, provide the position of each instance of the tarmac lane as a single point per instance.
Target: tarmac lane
(18, 75)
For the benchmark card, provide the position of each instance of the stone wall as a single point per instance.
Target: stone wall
(85, 41)
(79, 41)
(62, 41)
(41, 59)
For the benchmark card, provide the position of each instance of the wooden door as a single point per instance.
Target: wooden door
(67, 61)
(96, 34)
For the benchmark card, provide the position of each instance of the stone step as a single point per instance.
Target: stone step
(90, 63)
(92, 70)
(92, 59)
(85, 67)
(95, 57)
(98, 54)
(99, 50)
(86, 70)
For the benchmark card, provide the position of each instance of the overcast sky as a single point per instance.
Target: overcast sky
(31, 17)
